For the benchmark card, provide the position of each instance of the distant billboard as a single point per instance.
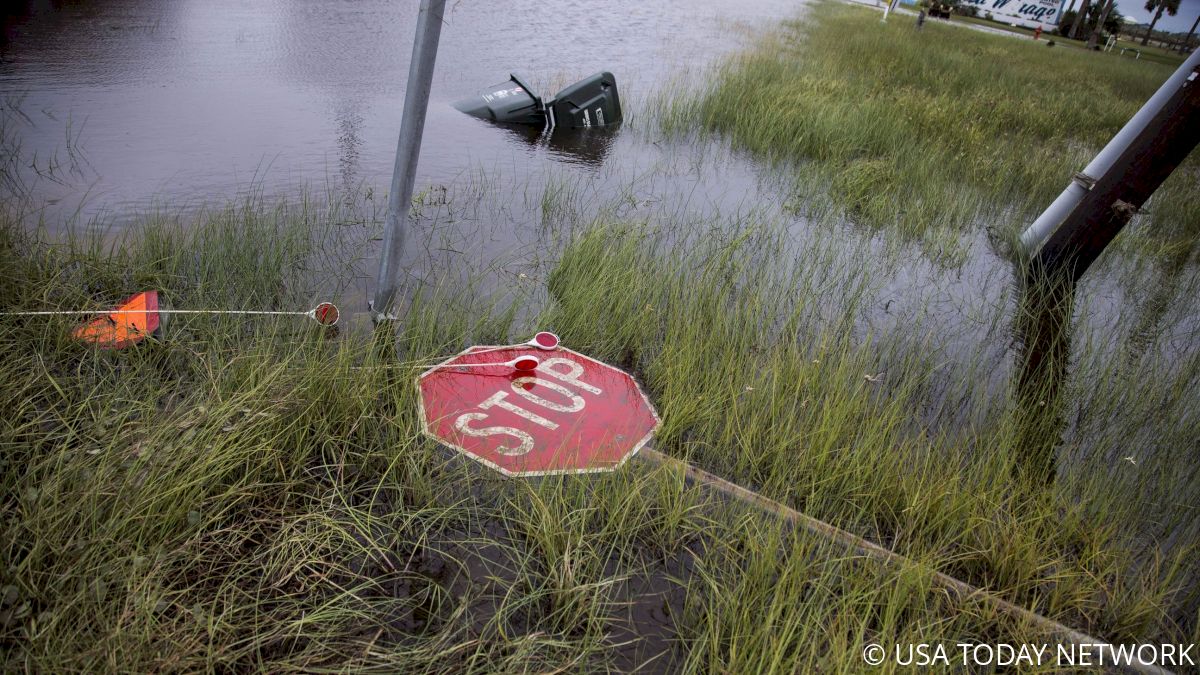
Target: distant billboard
(1028, 13)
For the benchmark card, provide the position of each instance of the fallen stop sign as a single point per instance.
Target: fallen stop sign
(572, 414)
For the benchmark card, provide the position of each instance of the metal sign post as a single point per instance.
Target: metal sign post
(1128, 169)
(416, 101)
(1060, 246)
(1116, 195)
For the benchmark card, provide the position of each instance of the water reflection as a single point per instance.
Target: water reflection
(349, 144)
(583, 147)
(1043, 329)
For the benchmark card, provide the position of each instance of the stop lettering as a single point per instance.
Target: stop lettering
(571, 414)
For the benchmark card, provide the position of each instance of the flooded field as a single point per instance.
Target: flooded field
(872, 376)
(193, 102)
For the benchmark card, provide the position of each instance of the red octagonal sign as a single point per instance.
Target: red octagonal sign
(571, 414)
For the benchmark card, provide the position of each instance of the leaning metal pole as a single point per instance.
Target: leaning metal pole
(1073, 233)
(1083, 181)
(416, 101)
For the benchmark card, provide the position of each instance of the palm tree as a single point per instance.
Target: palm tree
(1094, 39)
(1083, 10)
(1188, 40)
(1171, 6)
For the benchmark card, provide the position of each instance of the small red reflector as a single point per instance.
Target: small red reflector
(525, 363)
(326, 314)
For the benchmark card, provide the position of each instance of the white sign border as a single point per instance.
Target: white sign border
(425, 429)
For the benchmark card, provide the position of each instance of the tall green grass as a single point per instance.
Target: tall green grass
(755, 384)
(256, 496)
(932, 132)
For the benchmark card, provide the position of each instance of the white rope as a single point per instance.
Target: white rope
(312, 313)
(155, 311)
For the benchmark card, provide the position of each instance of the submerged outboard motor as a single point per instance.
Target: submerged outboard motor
(592, 102)
(507, 101)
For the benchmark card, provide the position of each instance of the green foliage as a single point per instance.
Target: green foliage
(252, 495)
(1113, 23)
(1159, 6)
(951, 128)
(249, 496)
(793, 407)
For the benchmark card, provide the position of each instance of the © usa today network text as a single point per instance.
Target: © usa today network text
(1029, 654)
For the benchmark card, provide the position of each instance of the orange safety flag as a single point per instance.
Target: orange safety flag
(129, 324)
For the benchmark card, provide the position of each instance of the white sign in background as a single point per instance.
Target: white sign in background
(1028, 13)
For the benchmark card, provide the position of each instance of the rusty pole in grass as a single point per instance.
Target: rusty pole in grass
(958, 590)
(1101, 199)
(1060, 246)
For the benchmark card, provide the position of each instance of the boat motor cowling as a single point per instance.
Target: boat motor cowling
(591, 102)
(508, 101)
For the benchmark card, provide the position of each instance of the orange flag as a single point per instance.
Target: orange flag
(128, 324)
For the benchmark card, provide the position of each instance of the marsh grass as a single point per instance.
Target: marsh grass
(253, 495)
(929, 133)
(250, 495)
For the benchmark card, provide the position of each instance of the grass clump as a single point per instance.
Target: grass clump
(756, 384)
(237, 495)
(932, 133)
(252, 496)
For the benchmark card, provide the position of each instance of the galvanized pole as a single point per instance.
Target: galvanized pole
(1071, 235)
(1119, 193)
(416, 101)
(1083, 182)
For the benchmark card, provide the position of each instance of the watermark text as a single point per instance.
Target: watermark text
(1029, 654)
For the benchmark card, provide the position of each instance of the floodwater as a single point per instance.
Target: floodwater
(139, 102)
(121, 106)
(117, 107)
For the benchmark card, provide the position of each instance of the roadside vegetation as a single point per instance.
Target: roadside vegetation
(1168, 57)
(259, 495)
(931, 133)
(255, 494)
(1149, 53)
